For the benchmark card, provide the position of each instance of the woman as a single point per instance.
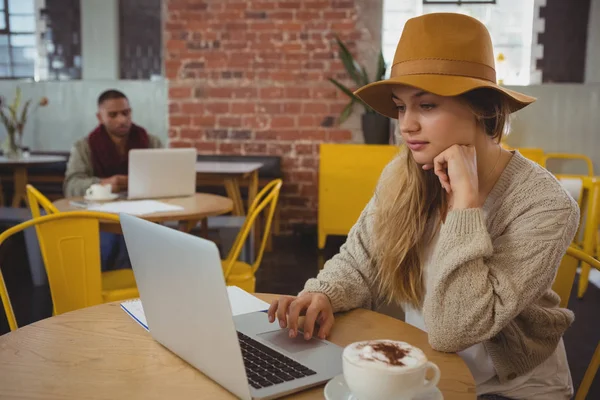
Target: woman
(465, 235)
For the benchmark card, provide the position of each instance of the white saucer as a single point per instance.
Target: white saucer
(109, 198)
(336, 389)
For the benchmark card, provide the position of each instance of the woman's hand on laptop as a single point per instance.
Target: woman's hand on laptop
(315, 306)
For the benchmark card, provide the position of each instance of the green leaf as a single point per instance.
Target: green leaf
(365, 78)
(24, 113)
(10, 128)
(13, 112)
(346, 112)
(381, 67)
(17, 101)
(350, 94)
(349, 63)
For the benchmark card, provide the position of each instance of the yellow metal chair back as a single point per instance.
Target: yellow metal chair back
(241, 274)
(532, 153)
(38, 201)
(70, 245)
(8, 310)
(562, 286)
(587, 238)
(568, 156)
(348, 175)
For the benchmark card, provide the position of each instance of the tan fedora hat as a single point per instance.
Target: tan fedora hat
(442, 53)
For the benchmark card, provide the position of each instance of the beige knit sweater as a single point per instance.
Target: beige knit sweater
(491, 277)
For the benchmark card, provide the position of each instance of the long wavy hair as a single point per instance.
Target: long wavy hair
(410, 204)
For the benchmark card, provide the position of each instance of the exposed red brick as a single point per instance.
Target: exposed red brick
(177, 120)
(204, 121)
(192, 108)
(180, 92)
(206, 147)
(282, 122)
(243, 108)
(230, 148)
(250, 77)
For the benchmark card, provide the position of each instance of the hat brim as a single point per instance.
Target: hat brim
(378, 95)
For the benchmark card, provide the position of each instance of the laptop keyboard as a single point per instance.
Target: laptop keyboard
(266, 367)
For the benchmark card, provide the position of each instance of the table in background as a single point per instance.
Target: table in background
(196, 208)
(101, 352)
(19, 167)
(231, 174)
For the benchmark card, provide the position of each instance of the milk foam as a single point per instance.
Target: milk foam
(385, 354)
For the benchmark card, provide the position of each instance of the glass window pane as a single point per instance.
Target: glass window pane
(22, 40)
(4, 71)
(23, 70)
(3, 40)
(2, 20)
(4, 55)
(21, 6)
(22, 23)
(23, 54)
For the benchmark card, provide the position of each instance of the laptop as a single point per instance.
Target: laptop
(156, 173)
(185, 301)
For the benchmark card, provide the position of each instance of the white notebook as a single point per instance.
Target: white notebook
(241, 302)
(135, 207)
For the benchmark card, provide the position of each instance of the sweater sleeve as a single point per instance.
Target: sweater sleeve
(347, 279)
(79, 174)
(477, 287)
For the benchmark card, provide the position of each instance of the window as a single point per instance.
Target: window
(510, 23)
(18, 50)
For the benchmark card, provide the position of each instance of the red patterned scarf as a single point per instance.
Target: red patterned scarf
(106, 159)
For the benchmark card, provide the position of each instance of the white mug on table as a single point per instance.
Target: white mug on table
(99, 191)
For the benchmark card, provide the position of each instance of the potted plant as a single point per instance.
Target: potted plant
(14, 121)
(375, 127)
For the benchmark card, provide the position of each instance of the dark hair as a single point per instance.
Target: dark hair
(111, 94)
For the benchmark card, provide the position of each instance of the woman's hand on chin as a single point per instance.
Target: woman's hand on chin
(456, 168)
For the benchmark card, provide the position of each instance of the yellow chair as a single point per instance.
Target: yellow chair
(70, 246)
(534, 154)
(8, 310)
(589, 204)
(562, 286)
(112, 281)
(348, 175)
(37, 200)
(568, 156)
(239, 273)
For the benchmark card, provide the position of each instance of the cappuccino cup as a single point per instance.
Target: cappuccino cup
(98, 191)
(387, 370)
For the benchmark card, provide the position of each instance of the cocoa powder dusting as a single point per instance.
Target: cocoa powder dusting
(393, 353)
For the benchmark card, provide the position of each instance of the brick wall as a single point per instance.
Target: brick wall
(249, 77)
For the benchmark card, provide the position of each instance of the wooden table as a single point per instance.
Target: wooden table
(196, 208)
(101, 353)
(231, 174)
(19, 167)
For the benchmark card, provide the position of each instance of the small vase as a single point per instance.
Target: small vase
(11, 148)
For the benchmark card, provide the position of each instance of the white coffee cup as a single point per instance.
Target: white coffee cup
(387, 370)
(98, 191)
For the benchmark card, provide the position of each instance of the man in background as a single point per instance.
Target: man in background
(103, 157)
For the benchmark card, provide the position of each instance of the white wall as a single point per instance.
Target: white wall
(565, 118)
(71, 112)
(592, 62)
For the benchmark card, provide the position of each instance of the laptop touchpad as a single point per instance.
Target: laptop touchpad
(280, 339)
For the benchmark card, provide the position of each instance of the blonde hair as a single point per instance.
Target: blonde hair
(409, 199)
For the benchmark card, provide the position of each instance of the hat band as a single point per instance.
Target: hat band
(444, 67)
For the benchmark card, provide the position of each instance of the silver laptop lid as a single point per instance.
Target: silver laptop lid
(185, 300)
(155, 173)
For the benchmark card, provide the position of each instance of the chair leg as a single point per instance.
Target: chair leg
(590, 373)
